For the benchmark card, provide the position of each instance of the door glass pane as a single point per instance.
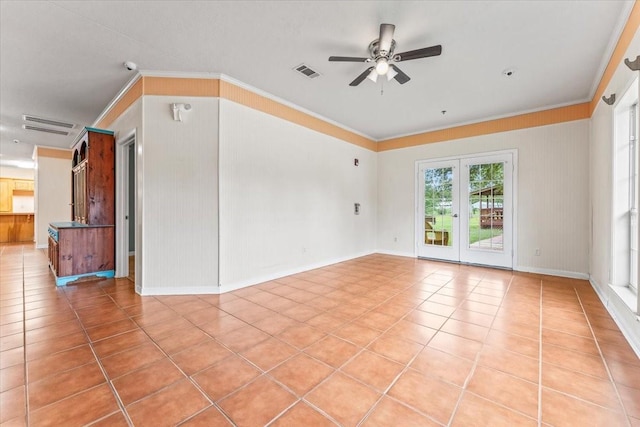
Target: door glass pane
(486, 201)
(438, 187)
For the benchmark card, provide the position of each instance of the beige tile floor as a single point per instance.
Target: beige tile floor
(376, 341)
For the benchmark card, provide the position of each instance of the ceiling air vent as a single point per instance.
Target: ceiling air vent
(306, 71)
(48, 130)
(50, 122)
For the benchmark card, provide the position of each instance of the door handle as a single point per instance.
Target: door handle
(455, 215)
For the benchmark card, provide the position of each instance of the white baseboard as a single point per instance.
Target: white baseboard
(179, 290)
(551, 272)
(396, 253)
(42, 246)
(228, 287)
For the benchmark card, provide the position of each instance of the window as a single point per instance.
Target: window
(633, 197)
(626, 197)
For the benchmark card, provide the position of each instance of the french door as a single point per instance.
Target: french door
(465, 210)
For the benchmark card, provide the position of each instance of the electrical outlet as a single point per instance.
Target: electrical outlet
(537, 252)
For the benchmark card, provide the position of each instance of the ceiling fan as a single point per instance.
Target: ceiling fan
(381, 51)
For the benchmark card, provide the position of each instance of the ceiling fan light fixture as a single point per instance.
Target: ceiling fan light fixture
(382, 66)
(373, 75)
(391, 74)
(382, 52)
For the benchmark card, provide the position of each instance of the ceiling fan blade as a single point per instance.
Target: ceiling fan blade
(361, 77)
(386, 37)
(418, 53)
(401, 77)
(347, 59)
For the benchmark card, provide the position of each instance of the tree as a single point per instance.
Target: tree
(437, 191)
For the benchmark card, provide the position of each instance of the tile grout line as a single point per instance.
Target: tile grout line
(237, 354)
(363, 349)
(477, 359)
(100, 365)
(540, 357)
(24, 343)
(301, 351)
(170, 359)
(338, 369)
(604, 361)
(189, 377)
(406, 367)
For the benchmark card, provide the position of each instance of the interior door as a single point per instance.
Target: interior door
(465, 210)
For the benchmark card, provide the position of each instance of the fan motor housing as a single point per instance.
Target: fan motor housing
(375, 53)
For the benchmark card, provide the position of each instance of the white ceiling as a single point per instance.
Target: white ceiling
(63, 59)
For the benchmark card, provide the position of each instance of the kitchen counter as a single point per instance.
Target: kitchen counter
(16, 227)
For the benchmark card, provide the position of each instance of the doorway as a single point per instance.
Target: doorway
(465, 209)
(128, 263)
(130, 218)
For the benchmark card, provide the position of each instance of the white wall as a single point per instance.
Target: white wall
(552, 194)
(178, 182)
(16, 173)
(601, 144)
(129, 121)
(52, 195)
(287, 197)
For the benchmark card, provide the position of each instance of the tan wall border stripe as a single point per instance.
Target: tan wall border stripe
(522, 121)
(125, 101)
(624, 41)
(257, 102)
(54, 153)
(172, 86)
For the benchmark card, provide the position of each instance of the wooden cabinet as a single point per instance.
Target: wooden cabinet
(77, 250)
(16, 227)
(80, 192)
(10, 187)
(6, 228)
(85, 246)
(6, 195)
(53, 255)
(23, 184)
(93, 178)
(23, 228)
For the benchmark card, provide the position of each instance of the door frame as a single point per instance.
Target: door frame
(122, 205)
(514, 198)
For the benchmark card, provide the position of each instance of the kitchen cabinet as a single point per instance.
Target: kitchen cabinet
(16, 227)
(6, 195)
(10, 187)
(23, 184)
